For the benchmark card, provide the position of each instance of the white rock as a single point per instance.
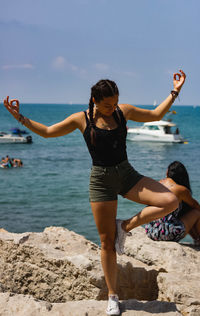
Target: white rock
(20, 305)
(62, 270)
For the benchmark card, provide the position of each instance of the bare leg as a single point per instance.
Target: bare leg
(196, 229)
(193, 234)
(191, 220)
(150, 192)
(105, 217)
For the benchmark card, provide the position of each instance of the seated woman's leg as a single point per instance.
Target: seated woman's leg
(191, 220)
(161, 202)
(197, 229)
(105, 217)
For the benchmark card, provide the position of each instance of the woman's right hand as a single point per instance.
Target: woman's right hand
(13, 107)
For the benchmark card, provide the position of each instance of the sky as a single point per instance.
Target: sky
(54, 51)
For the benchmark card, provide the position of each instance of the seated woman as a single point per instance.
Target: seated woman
(184, 220)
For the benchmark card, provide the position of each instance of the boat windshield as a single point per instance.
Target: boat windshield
(152, 127)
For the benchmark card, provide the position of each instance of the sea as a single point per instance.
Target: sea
(51, 189)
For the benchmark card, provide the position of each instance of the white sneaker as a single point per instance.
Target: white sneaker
(120, 237)
(113, 305)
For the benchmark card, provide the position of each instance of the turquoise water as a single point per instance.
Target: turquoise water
(52, 187)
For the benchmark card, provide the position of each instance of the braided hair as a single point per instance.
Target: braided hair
(102, 89)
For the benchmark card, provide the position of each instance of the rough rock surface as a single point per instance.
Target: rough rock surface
(58, 265)
(178, 263)
(20, 305)
(58, 272)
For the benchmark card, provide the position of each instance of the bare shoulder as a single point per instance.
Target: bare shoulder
(126, 108)
(181, 192)
(78, 115)
(168, 183)
(186, 196)
(79, 120)
(135, 113)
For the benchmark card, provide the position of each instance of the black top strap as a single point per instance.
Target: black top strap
(86, 117)
(117, 114)
(119, 117)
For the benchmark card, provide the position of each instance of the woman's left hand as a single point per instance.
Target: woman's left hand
(179, 80)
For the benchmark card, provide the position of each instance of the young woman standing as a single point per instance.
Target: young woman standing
(103, 127)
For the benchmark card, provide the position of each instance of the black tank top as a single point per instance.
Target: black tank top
(110, 147)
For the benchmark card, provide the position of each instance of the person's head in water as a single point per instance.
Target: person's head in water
(104, 94)
(177, 172)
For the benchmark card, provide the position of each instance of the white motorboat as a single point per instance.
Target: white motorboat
(6, 138)
(157, 131)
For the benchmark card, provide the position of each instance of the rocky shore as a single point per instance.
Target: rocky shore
(58, 273)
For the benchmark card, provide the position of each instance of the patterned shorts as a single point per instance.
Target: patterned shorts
(171, 230)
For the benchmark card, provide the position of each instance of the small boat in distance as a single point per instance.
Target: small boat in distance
(8, 138)
(157, 131)
(17, 131)
(154, 103)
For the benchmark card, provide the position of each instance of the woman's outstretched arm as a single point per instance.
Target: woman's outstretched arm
(62, 128)
(141, 115)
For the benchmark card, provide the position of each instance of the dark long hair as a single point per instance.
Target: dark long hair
(177, 172)
(102, 89)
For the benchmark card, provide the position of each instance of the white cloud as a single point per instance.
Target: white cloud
(101, 67)
(20, 66)
(60, 63)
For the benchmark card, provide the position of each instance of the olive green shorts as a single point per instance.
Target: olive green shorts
(107, 182)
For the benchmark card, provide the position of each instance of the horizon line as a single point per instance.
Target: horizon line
(85, 104)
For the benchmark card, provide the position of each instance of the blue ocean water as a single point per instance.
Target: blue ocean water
(52, 187)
